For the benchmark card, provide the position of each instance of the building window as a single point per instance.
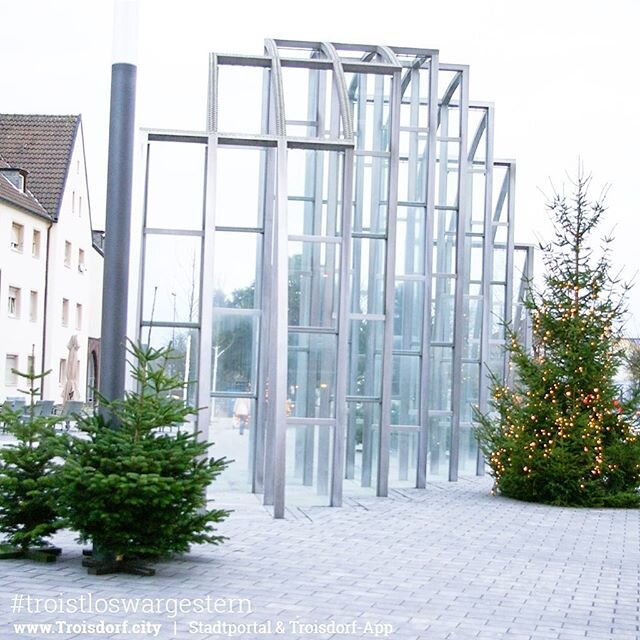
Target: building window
(13, 303)
(79, 206)
(67, 253)
(11, 365)
(17, 236)
(73, 202)
(81, 267)
(35, 244)
(78, 317)
(65, 312)
(33, 306)
(62, 371)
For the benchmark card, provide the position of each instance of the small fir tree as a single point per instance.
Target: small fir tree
(134, 490)
(29, 473)
(561, 435)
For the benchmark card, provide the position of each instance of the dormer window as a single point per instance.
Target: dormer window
(17, 177)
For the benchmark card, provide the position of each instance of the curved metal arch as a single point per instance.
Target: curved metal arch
(271, 49)
(389, 54)
(341, 88)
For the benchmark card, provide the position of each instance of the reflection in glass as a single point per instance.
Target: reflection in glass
(236, 258)
(439, 447)
(362, 441)
(171, 282)
(314, 270)
(309, 464)
(367, 287)
(405, 390)
(441, 379)
(311, 377)
(234, 353)
(409, 315)
(183, 362)
(403, 458)
(365, 361)
(232, 431)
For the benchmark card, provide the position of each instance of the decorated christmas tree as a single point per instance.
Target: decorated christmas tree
(561, 433)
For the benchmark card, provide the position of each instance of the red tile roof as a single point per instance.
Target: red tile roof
(41, 145)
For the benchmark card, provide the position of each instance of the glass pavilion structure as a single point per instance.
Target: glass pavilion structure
(333, 261)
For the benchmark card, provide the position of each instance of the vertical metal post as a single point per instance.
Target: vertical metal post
(118, 210)
(487, 277)
(459, 325)
(389, 294)
(425, 380)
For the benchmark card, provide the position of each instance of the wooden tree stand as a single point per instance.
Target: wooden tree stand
(38, 554)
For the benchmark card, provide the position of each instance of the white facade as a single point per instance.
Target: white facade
(22, 288)
(74, 287)
(59, 279)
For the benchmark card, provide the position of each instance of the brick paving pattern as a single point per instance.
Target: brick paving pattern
(449, 562)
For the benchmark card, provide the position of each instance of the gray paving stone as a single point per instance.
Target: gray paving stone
(449, 562)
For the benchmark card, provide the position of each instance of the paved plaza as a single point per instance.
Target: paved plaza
(449, 562)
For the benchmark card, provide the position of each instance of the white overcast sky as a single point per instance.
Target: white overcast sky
(562, 74)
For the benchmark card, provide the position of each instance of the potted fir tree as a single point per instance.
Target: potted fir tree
(29, 478)
(131, 488)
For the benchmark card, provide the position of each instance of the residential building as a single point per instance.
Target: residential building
(50, 269)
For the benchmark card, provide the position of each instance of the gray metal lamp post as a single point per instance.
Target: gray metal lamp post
(115, 286)
(118, 210)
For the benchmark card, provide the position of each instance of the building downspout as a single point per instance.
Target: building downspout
(45, 306)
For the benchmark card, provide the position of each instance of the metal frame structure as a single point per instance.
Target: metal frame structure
(351, 240)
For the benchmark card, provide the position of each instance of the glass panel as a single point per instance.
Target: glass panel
(184, 361)
(439, 447)
(498, 292)
(447, 170)
(234, 352)
(370, 98)
(362, 442)
(309, 464)
(233, 431)
(308, 95)
(175, 190)
(478, 186)
(370, 194)
(473, 330)
(442, 309)
(470, 396)
(240, 91)
(475, 260)
(468, 457)
(499, 263)
(367, 290)
(311, 378)
(240, 186)
(405, 390)
(314, 270)
(409, 314)
(171, 284)
(365, 362)
(410, 240)
(440, 379)
(236, 256)
(403, 458)
(315, 188)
